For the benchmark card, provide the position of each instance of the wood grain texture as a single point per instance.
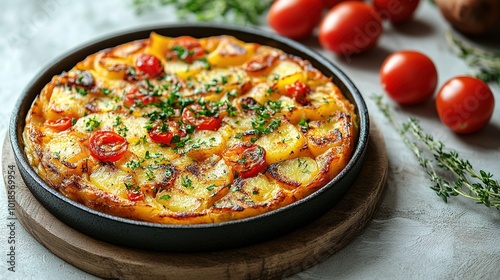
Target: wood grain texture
(272, 259)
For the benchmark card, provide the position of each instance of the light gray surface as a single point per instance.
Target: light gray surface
(414, 235)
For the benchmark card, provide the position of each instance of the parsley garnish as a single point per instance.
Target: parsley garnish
(212, 187)
(117, 121)
(186, 181)
(81, 91)
(105, 91)
(165, 197)
(304, 124)
(92, 124)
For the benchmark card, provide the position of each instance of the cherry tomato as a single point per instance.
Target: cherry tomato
(298, 91)
(397, 12)
(107, 146)
(198, 116)
(330, 3)
(166, 132)
(134, 96)
(246, 159)
(409, 77)
(186, 48)
(149, 64)
(135, 195)
(60, 124)
(465, 104)
(295, 19)
(350, 27)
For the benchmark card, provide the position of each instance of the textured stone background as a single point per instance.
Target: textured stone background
(414, 235)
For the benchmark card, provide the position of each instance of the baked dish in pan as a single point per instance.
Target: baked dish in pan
(184, 130)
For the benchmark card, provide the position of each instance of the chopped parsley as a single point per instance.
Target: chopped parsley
(261, 126)
(117, 121)
(91, 124)
(105, 91)
(81, 91)
(186, 182)
(304, 124)
(165, 197)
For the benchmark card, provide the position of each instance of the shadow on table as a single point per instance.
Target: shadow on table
(415, 28)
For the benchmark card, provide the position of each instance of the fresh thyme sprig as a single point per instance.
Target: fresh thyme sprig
(237, 11)
(485, 64)
(477, 186)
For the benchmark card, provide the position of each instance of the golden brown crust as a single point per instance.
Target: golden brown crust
(209, 95)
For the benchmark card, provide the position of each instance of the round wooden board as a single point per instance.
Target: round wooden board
(273, 259)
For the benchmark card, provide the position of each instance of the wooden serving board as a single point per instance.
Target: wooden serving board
(273, 259)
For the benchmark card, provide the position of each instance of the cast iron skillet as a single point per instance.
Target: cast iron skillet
(189, 238)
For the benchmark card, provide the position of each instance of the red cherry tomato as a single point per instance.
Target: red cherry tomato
(186, 48)
(409, 77)
(295, 19)
(135, 97)
(149, 64)
(465, 104)
(298, 91)
(166, 132)
(135, 195)
(330, 3)
(107, 146)
(198, 116)
(350, 27)
(60, 124)
(397, 12)
(246, 159)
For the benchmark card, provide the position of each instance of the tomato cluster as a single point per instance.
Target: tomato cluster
(464, 104)
(349, 27)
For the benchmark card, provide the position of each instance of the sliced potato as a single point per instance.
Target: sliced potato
(204, 143)
(294, 173)
(251, 194)
(182, 69)
(111, 180)
(286, 73)
(159, 45)
(231, 52)
(64, 102)
(323, 135)
(283, 143)
(67, 155)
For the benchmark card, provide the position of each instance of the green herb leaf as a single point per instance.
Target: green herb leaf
(476, 186)
(238, 11)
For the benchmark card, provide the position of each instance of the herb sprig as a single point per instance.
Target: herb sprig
(242, 12)
(469, 183)
(486, 64)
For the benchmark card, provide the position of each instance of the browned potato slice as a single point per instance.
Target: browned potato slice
(283, 143)
(286, 73)
(66, 155)
(231, 52)
(200, 184)
(64, 102)
(111, 180)
(294, 173)
(249, 196)
(322, 135)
